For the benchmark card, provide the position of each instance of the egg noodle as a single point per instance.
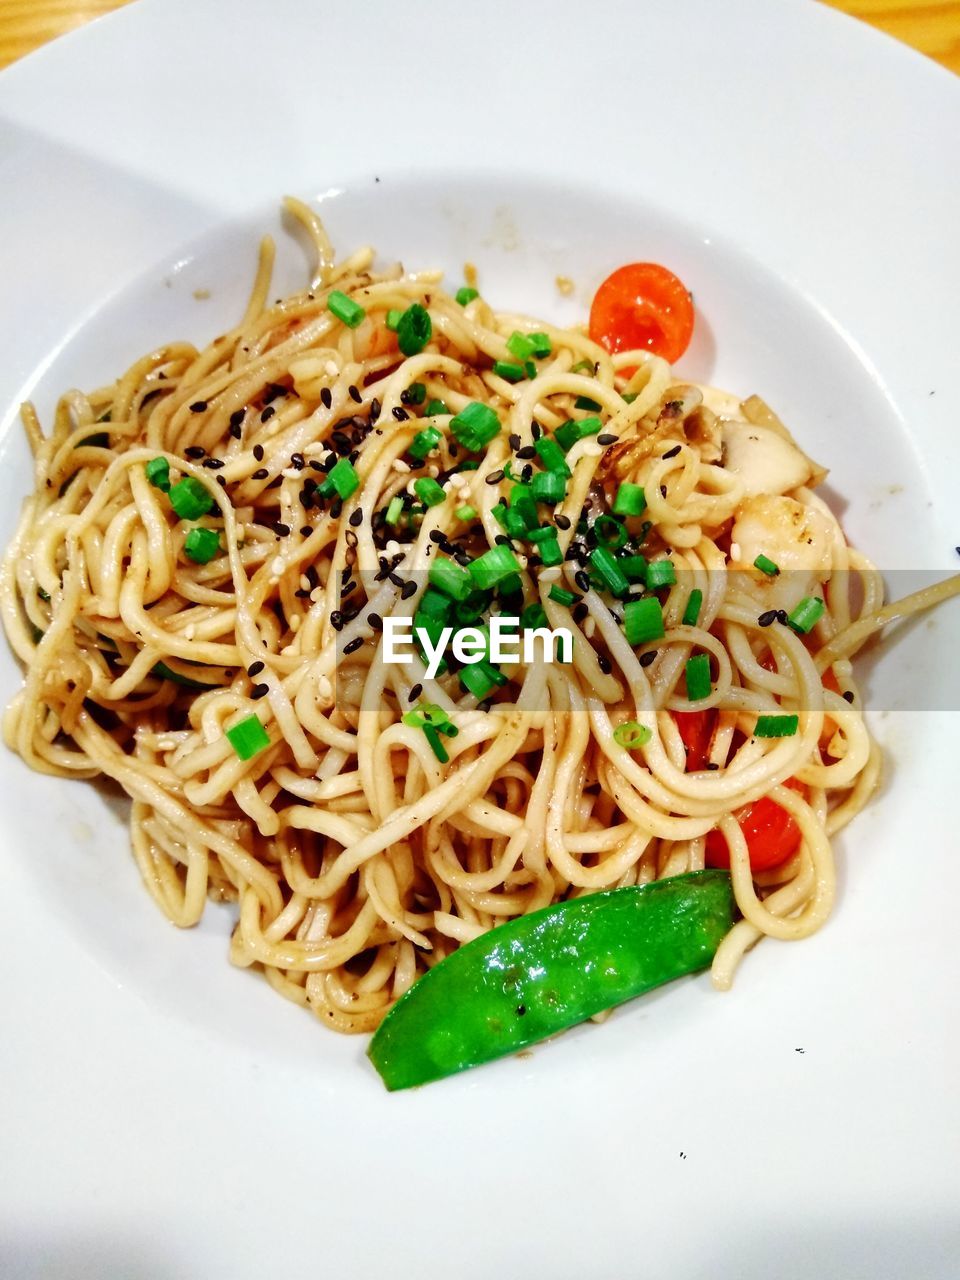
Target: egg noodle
(356, 854)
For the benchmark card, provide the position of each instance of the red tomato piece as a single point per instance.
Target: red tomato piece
(643, 306)
(771, 834)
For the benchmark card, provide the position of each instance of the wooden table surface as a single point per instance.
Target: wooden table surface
(932, 26)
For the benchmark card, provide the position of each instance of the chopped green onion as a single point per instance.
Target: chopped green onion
(541, 533)
(158, 473)
(643, 621)
(519, 345)
(660, 573)
(807, 614)
(475, 426)
(465, 512)
(201, 545)
(434, 604)
(582, 366)
(634, 568)
(500, 513)
(776, 726)
(584, 402)
(549, 551)
(516, 525)
(435, 407)
(698, 677)
(416, 393)
(508, 370)
(190, 499)
(432, 626)
(630, 500)
(466, 294)
(427, 713)
(628, 397)
(342, 479)
(394, 510)
(436, 746)
(603, 562)
(610, 532)
(523, 504)
(481, 678)
(549, 487)
(248, 737)
(510, 586)
(540, 345)
(424, 441)
(345, 309)
(574, 430)
(534, 615)
(414, 330)
(450, 578)
(530, 368)
(428, 491)
(631, 735)
(766, 566)
(493, 566)
(393, 318)
(551, 455)
(692, 611)
(562, 596)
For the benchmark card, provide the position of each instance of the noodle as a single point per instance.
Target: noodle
(356, 856)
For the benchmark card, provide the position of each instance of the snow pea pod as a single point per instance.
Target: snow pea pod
(538, 974)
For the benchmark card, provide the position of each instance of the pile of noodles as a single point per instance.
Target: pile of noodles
(355, 857)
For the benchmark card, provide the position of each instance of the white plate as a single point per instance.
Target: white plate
(167, 1116)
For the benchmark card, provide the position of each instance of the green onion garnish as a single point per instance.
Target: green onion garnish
(562, 596)
(524, 506)
(540, 345)
(158, 473)
(201, 545)
(807, 614)
(549, 487)
(603, 562)
(190, 499)
(466, 512)
(248, 737)
(534, 615)
(698, 677)
(776, 726)
(610, 532)
(427, 713)
(519, 345)
(766, 566)
(434, 604)
(551, 455)
(424, 441)
(508, 370)
(345, 309)
(436, 746)
(416, 393)
(342, 479)
(450, 578)
(414, 330)
(475, 426)
(582, 366)
(428, 491)
(492, 567)
(394, 510)
(568, 435)
(630, 500)
(584, 402)
(631, 735)
(435, 407)
(660, 573)
(466, 294)
(393, 318)
(549, 551)
(692, 611)
(634, 568)
(481, 678)
(628, 397)
(643, 621)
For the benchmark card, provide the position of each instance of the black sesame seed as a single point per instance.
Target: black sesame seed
(281, 530)
(415, 692)
(268, 413)
(354, 393)
(580, 611)
(582, 579)
(767, 619)
(275, 483)
(396, 579)
(400, 414)
(607, 438)
(311, 574)
(437, 535)
(258, 452)
(671, 453)
(350, 538)
(604, 663)
(329, 462)
(297, 461)
(356, 517)
(782, 617)
(407, 590)
(712, 767)
(663, 491)
(528, 451)
(336, 619)
(305, 530)
(194, 451)
(326, 397)
(255, 668)
(346, 589)
(198, 406)
(462, 558)
(335, 508)
(221, 482)
(495, 477)
(647, 658)
(259, 691)
(375, 621)
(561, 521)
(526, 473)
(536, 430)
(353, 645)
(374, 409)
(212, 464)
(848, 696)
(236, 418)
(315, 465)
(260, 474)
(501, 540)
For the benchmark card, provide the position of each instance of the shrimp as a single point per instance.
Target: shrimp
(798, 539)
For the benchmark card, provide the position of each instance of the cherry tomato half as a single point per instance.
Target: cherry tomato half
(771, 834)
(643, 306)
